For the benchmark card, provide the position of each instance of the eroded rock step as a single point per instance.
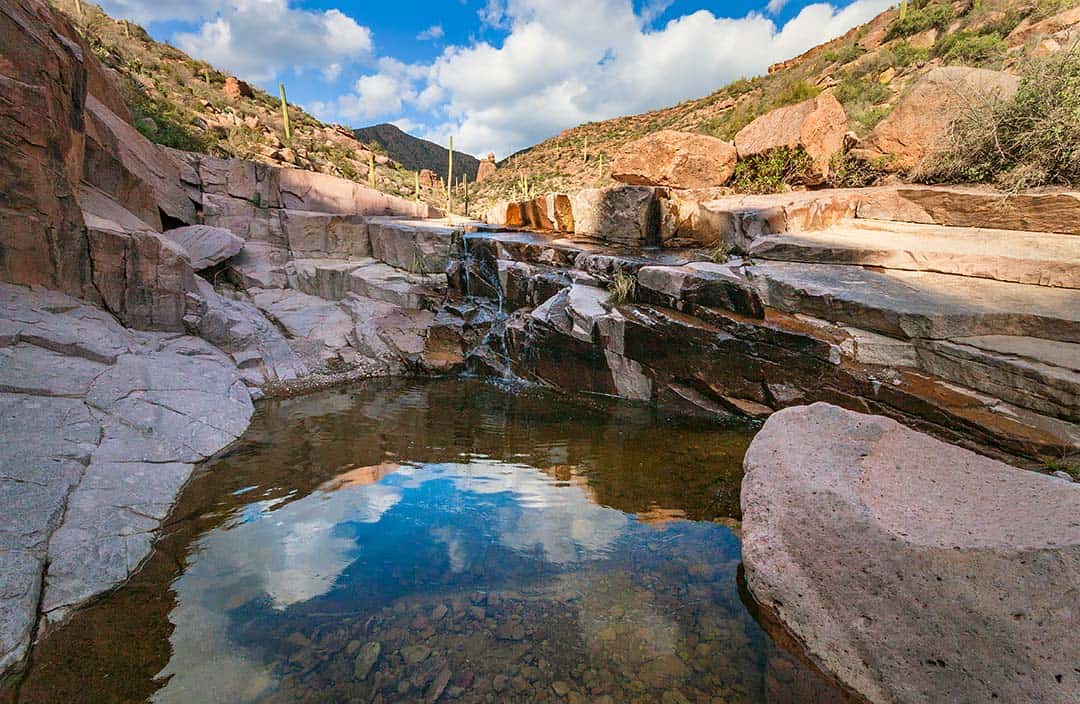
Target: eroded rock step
(919, 305)
(1037, 258)
(334, 279)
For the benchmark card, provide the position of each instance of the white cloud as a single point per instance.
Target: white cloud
(258, 39)
(146, 11)
(566, 63)
(433, 32)
(775, 6)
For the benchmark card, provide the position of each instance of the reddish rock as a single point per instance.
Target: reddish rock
(916, 125)
(964, 588)
(817, 125)
(133, 170)
(143, 278)
(429, 179)
(42, 130)
(236, 89)
(487, 168)
(677, 160)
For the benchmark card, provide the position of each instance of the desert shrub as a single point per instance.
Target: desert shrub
(720, 252)
(792, 93)
(970, 49)
(857, 91)
(739, 87)
(172, 125)
(921, 17)
(623, 288)
(843, 55)
(867, 119)
(904, 55)
(1031, 139)
(773, 171)
(850, 171)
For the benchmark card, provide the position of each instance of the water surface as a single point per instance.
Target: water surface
(450, 541)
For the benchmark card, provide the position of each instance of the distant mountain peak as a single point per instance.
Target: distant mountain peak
(416, 154)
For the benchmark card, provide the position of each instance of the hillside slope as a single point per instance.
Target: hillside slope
(188, 104)
(415, 153)
(868, 70)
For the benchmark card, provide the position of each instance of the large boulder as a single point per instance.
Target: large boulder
(628, 215)
(817, 125)
(206, 246)
(916, 125)
(913, 570)
(677, 160)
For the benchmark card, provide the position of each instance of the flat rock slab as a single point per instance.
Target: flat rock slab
(913, 570)
(100, 429)
(910, 304)
(1021, 257)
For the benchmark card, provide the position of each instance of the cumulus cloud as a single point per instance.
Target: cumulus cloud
(257, 39)
(775, 6)
(562, 64)
(432, 33)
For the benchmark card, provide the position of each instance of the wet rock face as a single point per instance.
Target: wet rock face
(965, 585)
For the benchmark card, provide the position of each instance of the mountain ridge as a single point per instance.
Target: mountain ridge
(416, 153)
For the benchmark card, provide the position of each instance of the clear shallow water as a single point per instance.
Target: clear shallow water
(447, 540)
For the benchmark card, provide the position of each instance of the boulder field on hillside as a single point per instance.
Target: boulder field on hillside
(913, 570)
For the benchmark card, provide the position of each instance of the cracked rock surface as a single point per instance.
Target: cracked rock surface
(101, 428)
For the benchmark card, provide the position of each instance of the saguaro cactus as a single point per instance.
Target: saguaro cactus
(78, 8)
(465, 183)
(903, 9)
(285, 112)
(450, 181)
(371, 169)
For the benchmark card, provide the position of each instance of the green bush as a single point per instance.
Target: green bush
(920, 19)
(869, 118)
(792, 93)
(1032, 139)
(843, 55)
(970, 49)
(849, 171)
(172, 125)
(904, 55)
(773, 171)
(861, 92)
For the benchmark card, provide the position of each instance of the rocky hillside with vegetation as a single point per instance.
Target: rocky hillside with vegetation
(418, 154)
(868, 71)
(186, 104)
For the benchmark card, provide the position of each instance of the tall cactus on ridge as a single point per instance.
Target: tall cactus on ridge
(450, 181)
(285, 113)
(371, 169)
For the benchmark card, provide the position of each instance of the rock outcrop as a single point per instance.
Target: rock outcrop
(910, 569)
(817, 125)
(914, 128)
(676, 160)
(487, 168)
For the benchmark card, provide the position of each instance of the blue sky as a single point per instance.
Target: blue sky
(499, 75)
